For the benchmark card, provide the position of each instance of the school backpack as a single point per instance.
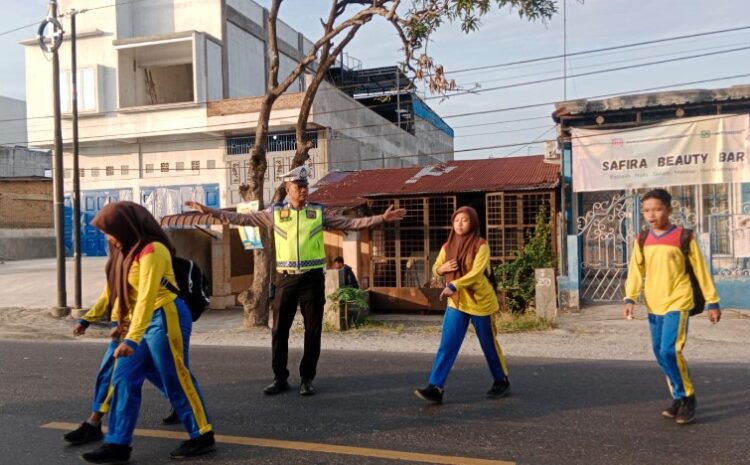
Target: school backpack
(698, 299)
(192, 284)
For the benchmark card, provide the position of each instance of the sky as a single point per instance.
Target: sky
(503, 38)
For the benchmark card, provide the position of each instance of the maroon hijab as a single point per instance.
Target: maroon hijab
(463, 248)
(134, 227)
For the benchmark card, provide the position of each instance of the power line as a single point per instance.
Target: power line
(534, 60)
(18, 29)
(460, 115)
(591, 73)
(361, 107)
(603, 49)
(524, 75)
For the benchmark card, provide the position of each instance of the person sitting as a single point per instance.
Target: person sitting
(349, 279)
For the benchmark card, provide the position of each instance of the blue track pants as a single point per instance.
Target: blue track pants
(455, 324)
(164, 349)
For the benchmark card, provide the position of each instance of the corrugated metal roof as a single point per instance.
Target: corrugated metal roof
(352, 188)
(652, 99)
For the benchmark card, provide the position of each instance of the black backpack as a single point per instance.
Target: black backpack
(698, 299)
(192, 284)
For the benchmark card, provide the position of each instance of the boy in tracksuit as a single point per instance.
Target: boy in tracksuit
(669, 297)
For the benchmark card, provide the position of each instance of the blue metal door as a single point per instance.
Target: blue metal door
(93, 242)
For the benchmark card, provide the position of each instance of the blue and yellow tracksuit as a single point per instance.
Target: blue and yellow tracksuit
(475, 302)
(669, 296)
(159, 334)
(103, 385)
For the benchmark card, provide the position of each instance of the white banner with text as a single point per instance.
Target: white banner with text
(700, 150)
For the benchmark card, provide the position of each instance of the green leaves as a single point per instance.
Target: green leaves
(516, 278)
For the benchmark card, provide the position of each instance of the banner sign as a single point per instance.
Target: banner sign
(249, 234)
(701, 150)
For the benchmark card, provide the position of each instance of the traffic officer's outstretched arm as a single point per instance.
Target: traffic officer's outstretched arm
(343, 222)
(262, 218)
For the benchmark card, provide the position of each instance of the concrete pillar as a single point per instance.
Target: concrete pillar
(331, 317)
(221, 273)
(546, 297)
(350, 247)
(569, 285)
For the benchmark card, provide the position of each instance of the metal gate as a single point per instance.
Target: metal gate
(606, 232)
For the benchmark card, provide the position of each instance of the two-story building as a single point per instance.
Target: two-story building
(168, 98)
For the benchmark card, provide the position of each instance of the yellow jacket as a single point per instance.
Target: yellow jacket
(667, 285)
(482, 300)
(146, 291)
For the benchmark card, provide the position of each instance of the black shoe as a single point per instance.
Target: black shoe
(686, 413)
(499, 389)
(671, 411)
(306, 388)
(113, 454)
(277, 387)
(431, 393)
(172, 419)
(84, 434)
(203, 444)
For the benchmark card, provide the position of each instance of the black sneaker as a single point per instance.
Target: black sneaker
(112, 454)
(172, 419)
(671, 411)
(203, 444)
(277, 387)
(499, 389)
(686, 413)
(84, 434)
(431, 393)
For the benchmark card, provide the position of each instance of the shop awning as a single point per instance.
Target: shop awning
(188, 219)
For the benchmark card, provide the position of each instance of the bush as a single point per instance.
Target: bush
(349, 298)
(516, 279)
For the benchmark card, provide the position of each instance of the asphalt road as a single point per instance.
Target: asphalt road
(560, 411)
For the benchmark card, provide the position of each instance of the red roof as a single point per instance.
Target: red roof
(352, 188)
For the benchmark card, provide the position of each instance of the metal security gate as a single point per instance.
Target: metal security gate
(606, 232)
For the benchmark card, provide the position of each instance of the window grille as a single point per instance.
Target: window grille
(403, 252)
(242, 145)
(511, 218)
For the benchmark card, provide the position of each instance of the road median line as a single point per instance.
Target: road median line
(308, 447)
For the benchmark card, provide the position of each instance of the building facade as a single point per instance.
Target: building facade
(692, 143)
(395, 260)
(168, 102)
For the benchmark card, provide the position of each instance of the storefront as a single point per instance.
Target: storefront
(692, 143)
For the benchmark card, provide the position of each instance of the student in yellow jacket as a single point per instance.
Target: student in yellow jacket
(464, 261)
(669, 297)
(91, 429)
(156, 338)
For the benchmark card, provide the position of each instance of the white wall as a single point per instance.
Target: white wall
(12, 121)
(248, 8)
(246, 55)
(360, 138)
(214, 84)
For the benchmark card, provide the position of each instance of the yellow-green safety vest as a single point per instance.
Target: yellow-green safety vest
(298, 235)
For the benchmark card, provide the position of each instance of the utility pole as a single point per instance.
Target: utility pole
(76, 175)
(55, 40)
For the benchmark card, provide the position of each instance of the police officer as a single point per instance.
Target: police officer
(300, 260)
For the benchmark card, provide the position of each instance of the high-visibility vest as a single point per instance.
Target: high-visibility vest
(298, 235)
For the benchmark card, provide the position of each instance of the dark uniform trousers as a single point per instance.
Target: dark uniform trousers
(307, 290)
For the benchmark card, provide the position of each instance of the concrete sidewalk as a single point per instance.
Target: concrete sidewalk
(27, 291)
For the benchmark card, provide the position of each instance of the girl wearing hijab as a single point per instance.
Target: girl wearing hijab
(464, 261)
(155, 325)
(91, 429)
